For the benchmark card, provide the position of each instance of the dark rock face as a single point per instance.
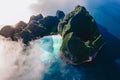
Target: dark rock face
(50, 23)
(38, 26)
(36, 18)
(81, 37)
(20, 26)
(60, 14)
(31, 32)
(7, 31)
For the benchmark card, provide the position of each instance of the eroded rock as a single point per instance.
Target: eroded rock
(81, 37)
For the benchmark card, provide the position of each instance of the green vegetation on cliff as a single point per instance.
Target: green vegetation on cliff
(81, 37)
(81, 40)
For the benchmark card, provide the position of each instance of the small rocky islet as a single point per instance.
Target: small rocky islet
(81, 39)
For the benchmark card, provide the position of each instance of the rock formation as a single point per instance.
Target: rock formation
(7, 31)
(60, 14)
(38, 26)
(81, 37)
(81, 40)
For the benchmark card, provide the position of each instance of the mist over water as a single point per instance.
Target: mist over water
(38, 61)
(18, 62)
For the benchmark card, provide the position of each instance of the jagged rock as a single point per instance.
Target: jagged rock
(36, 18)
(60, 14)
(31, 32)
(50, 23)
(81, 37)
(38, 27)
(20, 26)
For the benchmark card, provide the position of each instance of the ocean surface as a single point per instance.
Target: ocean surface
(106, 13)
(106, 66)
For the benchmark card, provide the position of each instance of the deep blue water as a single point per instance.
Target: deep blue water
(106, 66)
(106, 13)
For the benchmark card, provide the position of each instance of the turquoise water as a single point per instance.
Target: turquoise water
(51, 46)
(58, 70)
(106, 66)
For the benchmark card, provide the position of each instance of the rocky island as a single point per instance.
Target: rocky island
(81, 39)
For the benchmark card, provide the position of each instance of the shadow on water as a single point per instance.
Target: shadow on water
(106, 66)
